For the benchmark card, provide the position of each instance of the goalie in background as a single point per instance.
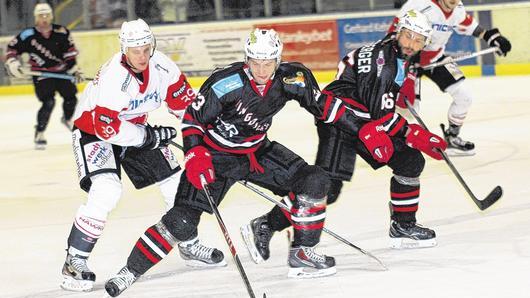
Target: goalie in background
(51, 49)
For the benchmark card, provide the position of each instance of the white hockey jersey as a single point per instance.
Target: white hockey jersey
(443, 25)
(116, 101)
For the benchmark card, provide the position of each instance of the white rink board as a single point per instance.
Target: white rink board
(479, 254)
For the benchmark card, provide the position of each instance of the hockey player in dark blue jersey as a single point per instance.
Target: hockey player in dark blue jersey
(225, 140)
(51, 49)
(363, 99)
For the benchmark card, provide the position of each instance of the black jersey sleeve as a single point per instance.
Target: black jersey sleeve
(68, 48)
(17, 46)
(300, 84)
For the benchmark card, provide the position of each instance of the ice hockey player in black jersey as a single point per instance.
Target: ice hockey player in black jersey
(225, 140)
(51, 49)
(363, 98)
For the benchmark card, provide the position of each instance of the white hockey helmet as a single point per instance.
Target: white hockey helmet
(416, 21)
(264, 44)
(42, 8)
(135, 34)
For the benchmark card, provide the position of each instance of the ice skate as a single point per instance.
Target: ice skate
(68, 123)
(410, 235)
(197, 255)
(304, 262)
(76, 274)
(455, 145)
(257, 236)
(40, 141)
(120, 282)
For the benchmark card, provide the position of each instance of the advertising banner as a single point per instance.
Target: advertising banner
(314, 43)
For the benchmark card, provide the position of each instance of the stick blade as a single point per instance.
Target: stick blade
(493, 197)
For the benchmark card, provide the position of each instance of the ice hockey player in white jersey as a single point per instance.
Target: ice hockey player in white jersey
(111, 132)
(447, 16)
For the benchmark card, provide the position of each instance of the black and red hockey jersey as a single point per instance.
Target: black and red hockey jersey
(53, 54)
(366, 89)
(232, 114)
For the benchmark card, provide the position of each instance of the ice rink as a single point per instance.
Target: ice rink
(479, 254)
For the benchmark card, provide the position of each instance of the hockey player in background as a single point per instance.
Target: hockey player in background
(447, 16)
(225, 140)
(51, 49)
(111, 132)
(364, 97)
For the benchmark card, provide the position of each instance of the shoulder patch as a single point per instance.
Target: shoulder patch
(27, 33)
(400, 75)
(60, 29)
(227, 85)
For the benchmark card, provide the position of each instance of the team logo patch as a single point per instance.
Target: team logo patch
(380, 61)
(105, 118)
(297, 80)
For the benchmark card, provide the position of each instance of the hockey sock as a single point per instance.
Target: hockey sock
(307, 216)
(404, 198)
(151, 248)
(278, 219)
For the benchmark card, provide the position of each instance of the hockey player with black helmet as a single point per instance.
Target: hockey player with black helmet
(363, 99)
(111, 132)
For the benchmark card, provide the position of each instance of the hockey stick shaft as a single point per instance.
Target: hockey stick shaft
(52, 75)
(324, 229)
(460, 58)
(494, 195)
(227, 237)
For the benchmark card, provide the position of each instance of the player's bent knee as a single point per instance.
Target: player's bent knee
(182, 222)
(412, 165)
(311, 181)
(105, 193)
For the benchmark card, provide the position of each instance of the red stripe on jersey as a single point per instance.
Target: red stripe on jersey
(106, 122)
(405, 209)
(146, 253)
(188, 116)
(467, 21)
(191, 131)
(316, 226)
(339, 114)
(215, 146)
(353, 103)
(160, 239)
(403, 195)
(393, 26)
(180, 94)
(85, 122)
(327, 104)
(253, 138)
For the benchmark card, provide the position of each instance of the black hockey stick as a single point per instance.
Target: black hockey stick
(493, 196)
(324, 229)
(227, 237)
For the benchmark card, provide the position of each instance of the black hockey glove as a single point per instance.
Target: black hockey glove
(494, 39)
(158, 136)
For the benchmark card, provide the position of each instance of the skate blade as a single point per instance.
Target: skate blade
(40, 147)
(456, 152)
(407, 243)
(75, 285)
(199, 264)
(307, 272)
(248, 238)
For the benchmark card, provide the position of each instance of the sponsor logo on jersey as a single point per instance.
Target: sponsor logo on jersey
(105, 118)
(227, 85)
(133, 104)
(442, 27)
(364, 60)
(380, 62)
(297, 80)
(227, 130)
(250, 119)
(159, 67)
(126, 83)
(44, 51)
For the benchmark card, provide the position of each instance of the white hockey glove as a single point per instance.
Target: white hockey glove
(77, 73)
(14, 68)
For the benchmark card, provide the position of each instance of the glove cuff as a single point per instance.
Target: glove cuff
(491, 34)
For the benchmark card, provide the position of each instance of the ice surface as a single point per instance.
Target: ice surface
(480, 254)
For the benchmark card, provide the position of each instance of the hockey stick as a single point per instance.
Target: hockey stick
(53, 75)
(492, 197)
(227, 237)
(460, 58)
(324, 229)
(283, 206)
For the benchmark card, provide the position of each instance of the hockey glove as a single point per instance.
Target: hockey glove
(157, 136)
(407, 92)
(77, 73)
(425, 141)
(377, 142)
(198, 161)
(13, 68)
(494, 39)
